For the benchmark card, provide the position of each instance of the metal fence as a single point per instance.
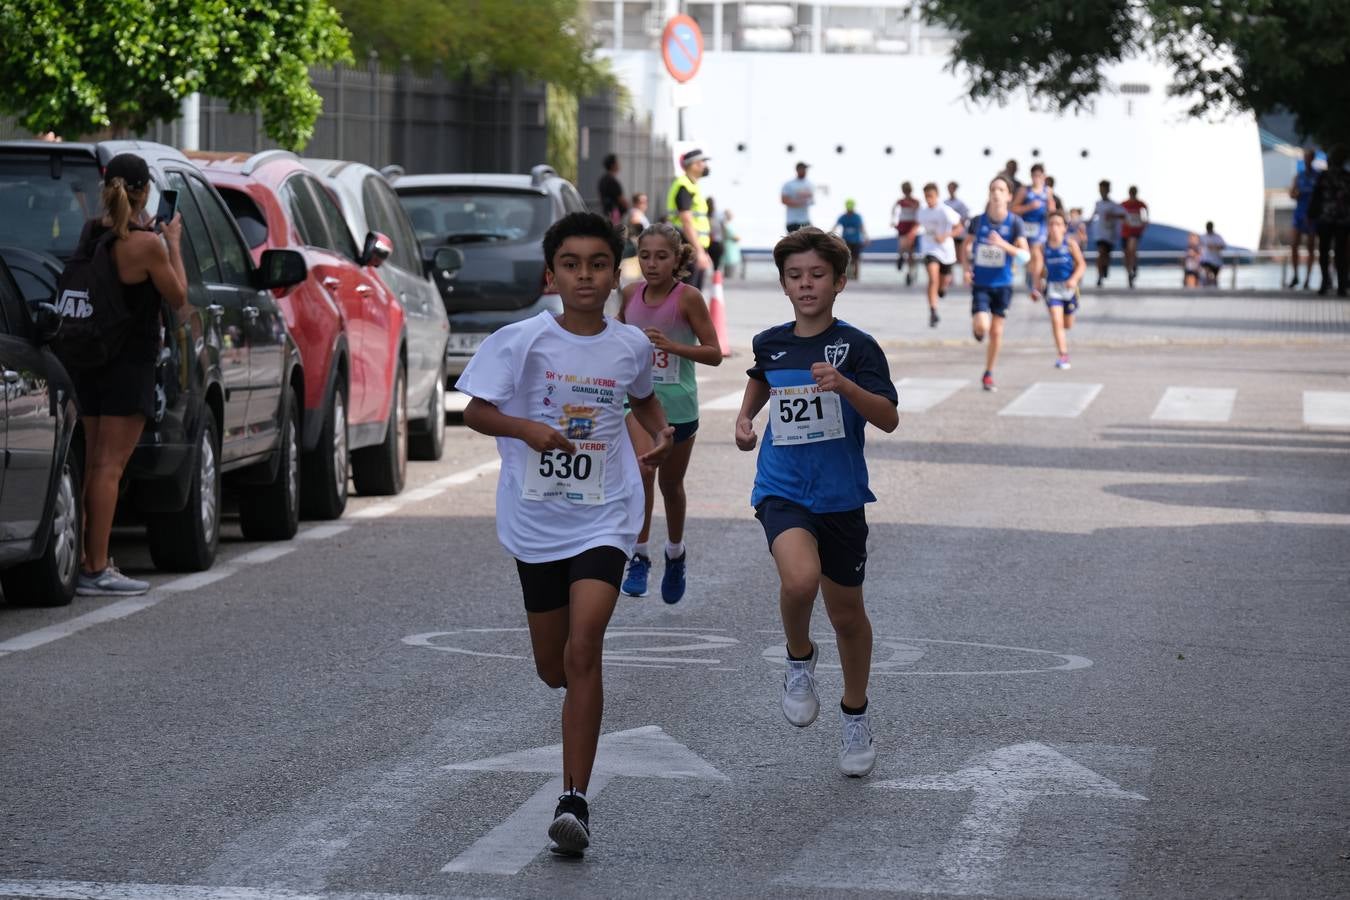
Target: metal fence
(434, 122)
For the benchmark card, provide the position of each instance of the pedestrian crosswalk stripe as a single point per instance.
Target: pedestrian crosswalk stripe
(921, 394)
(730, 401)
(1326, 408)
(1055, 399)
(1192, 404)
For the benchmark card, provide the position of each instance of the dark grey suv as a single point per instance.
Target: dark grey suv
(497, 222)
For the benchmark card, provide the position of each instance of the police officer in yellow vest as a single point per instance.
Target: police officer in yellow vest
(687, 210)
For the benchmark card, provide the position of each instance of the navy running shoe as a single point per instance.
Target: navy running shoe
(672, 583)
(639, 567)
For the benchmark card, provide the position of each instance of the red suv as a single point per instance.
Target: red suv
(347, 323)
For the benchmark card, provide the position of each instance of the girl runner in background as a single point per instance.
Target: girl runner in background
(675, 319)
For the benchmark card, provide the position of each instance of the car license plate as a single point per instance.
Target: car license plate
(465, 342)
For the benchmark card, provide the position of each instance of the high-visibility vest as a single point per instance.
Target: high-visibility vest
(700, 208)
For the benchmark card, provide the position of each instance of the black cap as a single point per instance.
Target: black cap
(130, 168)
(803, 165)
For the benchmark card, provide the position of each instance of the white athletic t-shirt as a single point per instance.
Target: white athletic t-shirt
(938, 221)
(1211, 249)
(799, 189)
(1107, 217)
(577, 384)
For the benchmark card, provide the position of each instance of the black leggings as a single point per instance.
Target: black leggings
(1339, 236)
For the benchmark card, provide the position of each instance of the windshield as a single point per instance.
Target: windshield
(45, 200)
(475, 215)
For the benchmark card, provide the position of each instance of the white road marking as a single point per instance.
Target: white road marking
(103, 890)
(456, 402)
(646, 752)
(322, 532)
(1053, 399)
(1005, 783)
(467, 475)
(1326, 408)
(375, 512)
(730, 401)
(264, 554)
(197, 580)
(420, 494)
(1191, 404)
(922, 394)
(98, 616)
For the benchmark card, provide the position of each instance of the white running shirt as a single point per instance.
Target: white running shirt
(1211, 249)
(937, 223)
(577, 384)
(1107, 217)
(799, 189)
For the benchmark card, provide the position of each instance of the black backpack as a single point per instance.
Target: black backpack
(95, 320)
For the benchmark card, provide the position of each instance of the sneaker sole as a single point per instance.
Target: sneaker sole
(800, 724)
(631, 594)
(100, 592)
(862, 774)
(569, 835)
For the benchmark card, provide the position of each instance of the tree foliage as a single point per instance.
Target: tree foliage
(77, 67)
(542, 40)
(1258, 56)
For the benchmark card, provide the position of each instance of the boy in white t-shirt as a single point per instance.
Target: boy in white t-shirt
(938, 225)
(569, 498)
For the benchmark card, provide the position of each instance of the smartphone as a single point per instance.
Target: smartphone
(168, 206)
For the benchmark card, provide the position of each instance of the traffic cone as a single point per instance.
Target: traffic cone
(718, 310)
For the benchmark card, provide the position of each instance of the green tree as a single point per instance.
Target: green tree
(1258, 56)
(541, 40)
(77, 67)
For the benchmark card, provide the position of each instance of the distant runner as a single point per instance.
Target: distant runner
(1136, 220)
(1032, 204)
(850, 227)
(992, 242)
(903, 220)
(1064, 268)
(938, 225)
(1105, 224)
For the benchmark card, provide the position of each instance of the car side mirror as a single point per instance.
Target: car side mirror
(376, 250)
(46, 322)
(447, 261)
(281, 268)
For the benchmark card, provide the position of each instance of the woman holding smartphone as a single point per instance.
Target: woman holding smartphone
(116, 398)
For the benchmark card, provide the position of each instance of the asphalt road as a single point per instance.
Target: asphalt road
(1110, 608)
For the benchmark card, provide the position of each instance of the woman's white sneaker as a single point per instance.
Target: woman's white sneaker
(801, 705)
(857, 754)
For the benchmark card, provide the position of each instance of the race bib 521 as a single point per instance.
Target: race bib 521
(576, 477)
(804, 414)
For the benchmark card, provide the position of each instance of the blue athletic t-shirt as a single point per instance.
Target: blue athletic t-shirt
(1058, 262)
(992, 265)
(815, 457)
(1307, 183)
(851, 224)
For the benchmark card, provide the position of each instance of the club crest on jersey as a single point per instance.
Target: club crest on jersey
(836, 353)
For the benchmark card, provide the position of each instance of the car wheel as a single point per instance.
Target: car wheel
(323, 472)
(50, 579)
(381, 469)
(186, 540)
(430, 443)
(271, 512)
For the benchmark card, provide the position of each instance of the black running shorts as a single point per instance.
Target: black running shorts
(121, 388)
(547, 586)
(841, 537)
(943, 268)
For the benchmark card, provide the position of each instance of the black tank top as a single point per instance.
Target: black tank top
(143, 301)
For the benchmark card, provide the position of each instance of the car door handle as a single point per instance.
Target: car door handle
(332, 282)
(12, 377)
(216, 310)
(363, 289)
(251, 313)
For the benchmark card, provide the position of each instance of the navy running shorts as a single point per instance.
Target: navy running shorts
(547, 586)
(841, 537)
(1070, 304)
(684, 431)
(994, 300)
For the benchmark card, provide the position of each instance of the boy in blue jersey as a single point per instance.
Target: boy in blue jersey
(850, 227)
(993, 240)
(1032, 203)
(824, 380)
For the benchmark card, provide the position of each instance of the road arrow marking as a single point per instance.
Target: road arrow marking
(646, 752)
(1006, 782)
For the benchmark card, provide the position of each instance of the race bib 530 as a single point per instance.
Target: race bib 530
(804, 414)
(576, 477)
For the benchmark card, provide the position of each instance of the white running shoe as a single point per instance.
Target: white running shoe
(800, 703)
(109, 583)
(857, 755)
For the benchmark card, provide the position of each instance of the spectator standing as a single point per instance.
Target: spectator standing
(798, 195)
(687, 210)
(851, 229)
(613, 201)
(1106, 218)
(1211, 254)
(717, 243)
(732, 263)
(116, 398)
(637, 215)
(1330, 209)
(1301, 192)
